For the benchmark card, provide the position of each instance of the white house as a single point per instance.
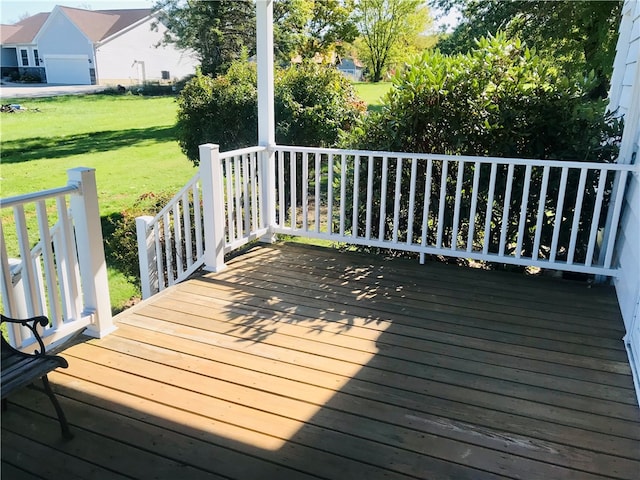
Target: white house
(624, 99)
(83, 47)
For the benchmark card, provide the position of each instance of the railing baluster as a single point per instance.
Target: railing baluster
(576, 216)
(617, 206)
(49, 265)
(8, 299)
(412, 199)
(293, 164)
(66, 260)
(442, 204)
(186, 222)
(456, 208)
(281, 176)
(316, 201)
(343, 192)
(330, 194)
(254, 190)
(229, 196)
(383, 198)
(305, 191)
(489, 211)
(356, 195)
(156, 236)
(397, 195)
(523, 210)
(595, 218)
(369, 196)
(167, 249)
(34, 307)
(505, 211)
(557, 221)
(425, 207)
(541, 210)
(237, 194)
(177, 236)
(474, 206)
(197, 219)
(246, 198)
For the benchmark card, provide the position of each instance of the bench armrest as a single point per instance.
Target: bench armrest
(31, 324)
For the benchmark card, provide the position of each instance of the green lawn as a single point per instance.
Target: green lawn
(129, 140)
(372, 93)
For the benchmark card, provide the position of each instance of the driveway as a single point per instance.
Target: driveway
(34, 90)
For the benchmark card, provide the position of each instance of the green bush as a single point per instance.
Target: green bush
(313, 105)
(121, 243)
(220, 110)
(501, 100)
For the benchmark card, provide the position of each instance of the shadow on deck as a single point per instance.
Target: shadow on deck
(302, 362)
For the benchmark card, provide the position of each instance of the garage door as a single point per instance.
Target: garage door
(68, 69)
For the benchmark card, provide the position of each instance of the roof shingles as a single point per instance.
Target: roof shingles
(97, 25)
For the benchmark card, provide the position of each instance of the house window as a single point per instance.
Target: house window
(25, 58)
(165, 75)
(36, 57)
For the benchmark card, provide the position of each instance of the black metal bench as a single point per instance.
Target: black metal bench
(20, 369)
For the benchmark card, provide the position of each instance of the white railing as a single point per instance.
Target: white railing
(560, 215)
(53, 261)
(218, 211)
(548, 214)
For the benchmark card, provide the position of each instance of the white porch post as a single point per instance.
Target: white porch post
(147, 257)
(92, 264)
(266, 110)
(212, 207)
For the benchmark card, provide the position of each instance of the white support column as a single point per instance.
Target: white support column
(264, 54)
(266, 111)
(147, 257)
(93, 267)
(213, 207)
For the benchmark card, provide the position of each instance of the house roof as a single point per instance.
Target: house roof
(100, 24)
(97, 25)
(23, 31)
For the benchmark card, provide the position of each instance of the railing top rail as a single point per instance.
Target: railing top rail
(464, 158)
(178, 195)
(35, 196)
(241, 151)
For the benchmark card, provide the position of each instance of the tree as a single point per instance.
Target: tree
(310, 27)
(581, 35)
(386, 25)
(217, 31)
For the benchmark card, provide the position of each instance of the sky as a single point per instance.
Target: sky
(12, 10)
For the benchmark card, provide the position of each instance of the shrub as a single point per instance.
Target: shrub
(221, 110)
(502, 100)
(121, 243)
(313, 105)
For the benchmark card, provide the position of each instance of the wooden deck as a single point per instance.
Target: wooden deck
(304, 363)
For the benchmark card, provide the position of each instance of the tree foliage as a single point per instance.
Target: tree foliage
(581, 35)
(313, 105)
(386, 26)
(310, 27)
(217, 31)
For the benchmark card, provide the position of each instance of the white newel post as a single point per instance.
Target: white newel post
(266, 109)
(212, 207)
(147, 257)
(93, 267)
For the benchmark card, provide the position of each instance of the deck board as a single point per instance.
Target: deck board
(305, 362)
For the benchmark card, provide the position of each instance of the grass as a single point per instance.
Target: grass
(372, 93)
(129, 140)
